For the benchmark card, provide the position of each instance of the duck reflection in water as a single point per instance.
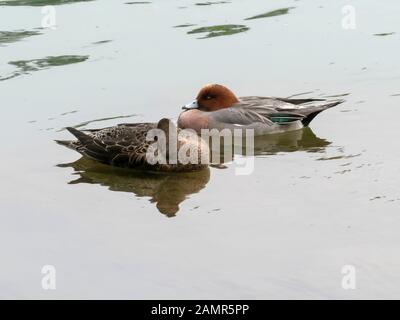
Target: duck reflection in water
(169, 190)
(166, 190)
(298, 140)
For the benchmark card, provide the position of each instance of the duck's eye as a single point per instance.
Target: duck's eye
(208, 97)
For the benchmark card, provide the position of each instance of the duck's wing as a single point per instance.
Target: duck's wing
(261, 112)
(286, 110)
(123, 145)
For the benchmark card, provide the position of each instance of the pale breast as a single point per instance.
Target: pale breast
(193, 119)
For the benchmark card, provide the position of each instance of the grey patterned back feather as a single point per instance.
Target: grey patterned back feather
(267, 109)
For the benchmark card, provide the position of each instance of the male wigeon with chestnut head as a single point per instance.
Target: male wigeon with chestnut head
(217, 107)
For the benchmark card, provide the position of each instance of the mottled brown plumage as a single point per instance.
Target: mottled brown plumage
(126, 145)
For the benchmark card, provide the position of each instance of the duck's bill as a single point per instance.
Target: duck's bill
(192, 105)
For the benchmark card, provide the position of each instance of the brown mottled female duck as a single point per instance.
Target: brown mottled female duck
(127, 145)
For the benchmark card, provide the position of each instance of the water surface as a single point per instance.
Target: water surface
(318, 198)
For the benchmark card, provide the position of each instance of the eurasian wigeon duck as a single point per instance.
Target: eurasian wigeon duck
(126, 145)
(217, 107)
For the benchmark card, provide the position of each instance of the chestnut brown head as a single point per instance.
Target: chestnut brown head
(213, 97)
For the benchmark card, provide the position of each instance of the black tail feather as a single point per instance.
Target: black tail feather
(310, 117)
(68, 143)
(82, 137)
(65, 143)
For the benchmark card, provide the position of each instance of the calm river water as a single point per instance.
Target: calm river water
(318, 199)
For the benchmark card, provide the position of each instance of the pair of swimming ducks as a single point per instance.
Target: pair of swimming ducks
(215, 107)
